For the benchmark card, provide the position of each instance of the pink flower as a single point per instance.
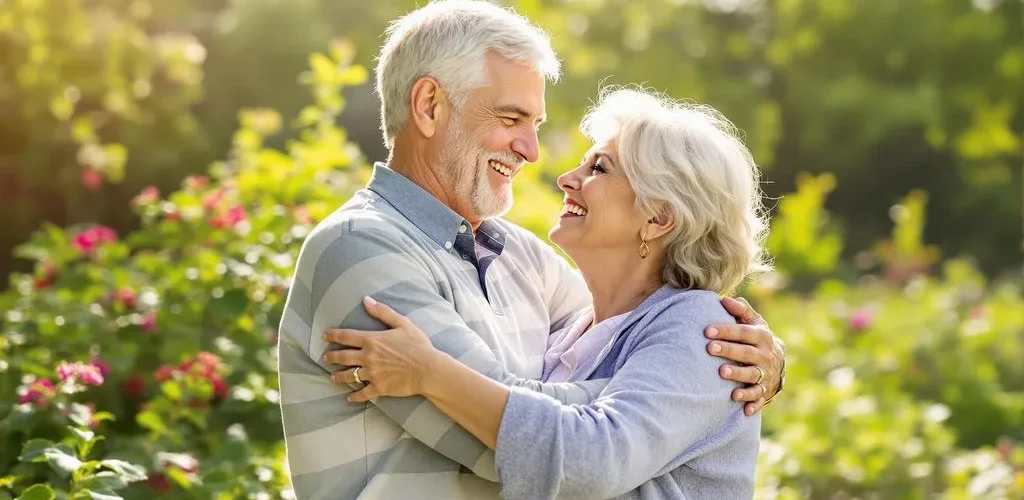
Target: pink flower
(860, 320)
(92, 179)
(148, 323)
(211, 200)
(235, 215)
(88, 240)
(220, 387)
(146, 196)
(194, 182)
(38, 393)
(66, 371)
(101, 365)
(86, 374)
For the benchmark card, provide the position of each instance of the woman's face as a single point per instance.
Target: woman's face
(598, 212)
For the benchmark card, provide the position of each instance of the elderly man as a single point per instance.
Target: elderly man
(462, 92)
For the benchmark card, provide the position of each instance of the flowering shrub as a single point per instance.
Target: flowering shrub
(143, 365)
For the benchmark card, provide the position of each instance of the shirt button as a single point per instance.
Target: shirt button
(448, 245)
(462, 228)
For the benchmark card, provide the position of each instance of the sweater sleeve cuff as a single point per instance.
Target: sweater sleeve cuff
(524, 443)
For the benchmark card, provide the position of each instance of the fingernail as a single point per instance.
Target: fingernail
(715, 348)
(739, 396)
(712, 332)
(324, 336)
(369, 301)
(325, 359)
(726, 371)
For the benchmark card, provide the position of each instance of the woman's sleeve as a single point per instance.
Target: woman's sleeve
(666, 400)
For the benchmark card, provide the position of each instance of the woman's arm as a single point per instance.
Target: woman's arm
(664, 405)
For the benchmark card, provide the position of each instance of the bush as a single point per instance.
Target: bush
(146, 364)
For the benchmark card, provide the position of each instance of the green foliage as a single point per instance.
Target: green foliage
(206, 273)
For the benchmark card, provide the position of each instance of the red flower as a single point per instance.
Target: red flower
(158, 481)
(173, 216)
(146, 196)
(88, 240)
(164, 373)
(126, 297)
(38, 393)
(92, 179)
(220, 387)
(47, 277)
(133, 387)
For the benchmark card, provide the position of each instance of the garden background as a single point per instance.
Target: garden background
(160, 163)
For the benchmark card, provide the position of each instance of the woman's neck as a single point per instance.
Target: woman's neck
(618, 282)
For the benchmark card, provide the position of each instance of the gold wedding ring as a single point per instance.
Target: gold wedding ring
(760, 374)
(355, 375)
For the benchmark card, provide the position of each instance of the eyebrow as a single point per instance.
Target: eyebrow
(512, 108)
(606, 157)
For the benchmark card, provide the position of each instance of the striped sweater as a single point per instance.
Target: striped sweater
(489, 298)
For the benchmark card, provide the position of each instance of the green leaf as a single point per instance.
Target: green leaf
(128, 471)
(33, 451)
(103, 495)
(37, 492)
(81, 436)
(151, 421)
(62, 462)
(80, 414)
(104, 481)
(172, 390)
(88, 446)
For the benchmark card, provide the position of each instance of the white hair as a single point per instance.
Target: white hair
(449, 40)
(687, 161)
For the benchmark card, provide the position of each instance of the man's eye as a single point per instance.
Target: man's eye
(508, 121)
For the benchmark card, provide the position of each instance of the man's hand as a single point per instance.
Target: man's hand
(752, 344)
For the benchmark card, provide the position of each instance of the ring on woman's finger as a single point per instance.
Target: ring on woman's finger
(764, 390)
(355, 375)
(760, 374)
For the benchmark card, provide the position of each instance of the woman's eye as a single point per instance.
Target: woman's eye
(597, 168)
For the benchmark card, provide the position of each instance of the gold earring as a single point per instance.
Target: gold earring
(644, 249)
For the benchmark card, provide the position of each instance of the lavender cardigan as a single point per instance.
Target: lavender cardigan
(664, 427)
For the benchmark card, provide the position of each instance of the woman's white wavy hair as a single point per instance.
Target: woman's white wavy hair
(448, 40)
(686, 159)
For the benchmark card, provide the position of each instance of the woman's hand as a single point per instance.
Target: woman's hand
(393, 362)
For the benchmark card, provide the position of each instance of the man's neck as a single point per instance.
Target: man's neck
(421, 172)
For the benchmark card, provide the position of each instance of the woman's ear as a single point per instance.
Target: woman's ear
(427, 103)
(660, 224)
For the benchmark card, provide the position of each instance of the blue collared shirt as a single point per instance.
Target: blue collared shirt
(447, 228)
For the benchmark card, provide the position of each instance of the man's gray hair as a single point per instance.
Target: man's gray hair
(686, 160)
(449, 40)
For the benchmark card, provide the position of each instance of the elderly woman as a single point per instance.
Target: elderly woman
(662, 215)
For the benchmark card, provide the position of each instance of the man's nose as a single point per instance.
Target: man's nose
(527, 146)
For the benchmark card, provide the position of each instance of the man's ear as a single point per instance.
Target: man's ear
(429, 105)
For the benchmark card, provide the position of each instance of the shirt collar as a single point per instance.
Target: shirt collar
(425, 211)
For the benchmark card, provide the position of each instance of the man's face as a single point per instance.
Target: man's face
(492, 136)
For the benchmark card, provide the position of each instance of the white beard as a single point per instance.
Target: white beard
(465, 164)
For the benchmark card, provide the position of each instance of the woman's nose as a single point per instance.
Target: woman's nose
(569, 181)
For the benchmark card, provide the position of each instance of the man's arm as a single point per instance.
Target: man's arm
(379, 263)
